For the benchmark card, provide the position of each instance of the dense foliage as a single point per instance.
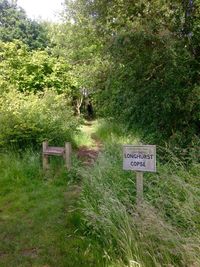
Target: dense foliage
(32, 71)
(139, 62)
(152, 81)
(36, 97)
(14, 24)
(29, 119)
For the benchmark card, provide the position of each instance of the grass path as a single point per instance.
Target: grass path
(40, 220)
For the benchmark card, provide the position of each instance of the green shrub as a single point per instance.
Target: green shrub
(28, 119)
(32, 70)
(151, 86)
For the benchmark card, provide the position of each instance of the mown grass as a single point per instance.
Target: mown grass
(40, 221)
(164, 231)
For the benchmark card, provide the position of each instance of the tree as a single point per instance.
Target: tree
(32, 71)
(152, 81)
(14, 24)
(81, 47)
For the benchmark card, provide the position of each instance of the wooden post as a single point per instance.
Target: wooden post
(45, 156)
(139, 187)
(67, 155)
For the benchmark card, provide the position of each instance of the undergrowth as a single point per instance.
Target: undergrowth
(164, 231)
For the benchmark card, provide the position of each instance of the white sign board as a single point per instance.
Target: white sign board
(139, 158)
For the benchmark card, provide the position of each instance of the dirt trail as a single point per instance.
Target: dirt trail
(86, 254)
(88, 155)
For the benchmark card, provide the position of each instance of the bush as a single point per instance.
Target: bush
(28, 119)
(152, 86)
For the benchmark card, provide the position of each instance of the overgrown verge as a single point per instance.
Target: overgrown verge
(26, 119)
(163, 232)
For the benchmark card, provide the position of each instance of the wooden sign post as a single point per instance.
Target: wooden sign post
(139, 187)
(141, 158)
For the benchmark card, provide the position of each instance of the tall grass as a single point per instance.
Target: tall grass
(111, 132)
(164, 231)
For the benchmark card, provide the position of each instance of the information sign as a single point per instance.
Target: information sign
(139, 158)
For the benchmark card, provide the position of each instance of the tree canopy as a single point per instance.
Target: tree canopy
(14, 24)
(150, 51)
(139, 61)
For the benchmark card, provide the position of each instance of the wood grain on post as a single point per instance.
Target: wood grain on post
(139, 187)
(67, 156)
(45, 156)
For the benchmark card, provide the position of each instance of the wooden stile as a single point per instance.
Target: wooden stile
(45, 156)
(68, 150)
(65, 152)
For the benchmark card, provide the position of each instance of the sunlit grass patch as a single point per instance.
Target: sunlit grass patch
(85, 136)
(40, 221)
(109, 131)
